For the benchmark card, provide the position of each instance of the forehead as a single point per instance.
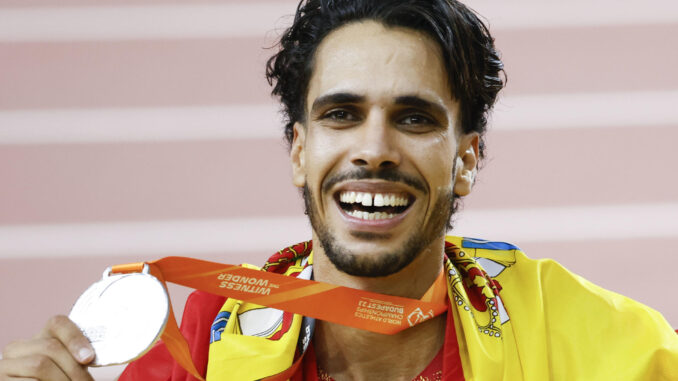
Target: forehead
(379, 62)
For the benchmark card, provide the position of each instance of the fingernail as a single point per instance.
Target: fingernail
(85, 354)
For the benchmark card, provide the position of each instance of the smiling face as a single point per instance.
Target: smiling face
(380, 149)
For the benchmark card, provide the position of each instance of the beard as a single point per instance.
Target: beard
(388, 263)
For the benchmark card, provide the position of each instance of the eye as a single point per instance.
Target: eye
(417, 122)
(340, 115)
(416, 119)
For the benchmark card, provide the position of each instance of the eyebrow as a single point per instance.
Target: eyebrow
(419, 102)
(403, 100)
(336, 98)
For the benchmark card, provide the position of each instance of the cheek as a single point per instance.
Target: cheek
(437, 163)
(322, 154)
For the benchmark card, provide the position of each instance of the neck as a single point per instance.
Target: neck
(347, 353)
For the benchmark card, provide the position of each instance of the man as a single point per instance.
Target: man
(387, 104)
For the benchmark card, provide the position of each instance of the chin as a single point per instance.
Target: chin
(377, 258)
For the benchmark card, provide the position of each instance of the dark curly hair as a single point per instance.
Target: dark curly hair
(473, 65)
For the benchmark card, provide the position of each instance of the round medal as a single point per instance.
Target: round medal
(122, 316)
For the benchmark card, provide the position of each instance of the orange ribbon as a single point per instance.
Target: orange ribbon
(366, 310)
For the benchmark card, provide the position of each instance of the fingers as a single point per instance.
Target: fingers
(46, 359)
(35, 367)
(64, 330)
(57, 353)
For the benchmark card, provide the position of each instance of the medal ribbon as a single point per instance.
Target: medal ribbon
(366, 310)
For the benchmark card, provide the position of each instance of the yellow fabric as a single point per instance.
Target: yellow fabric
(239, 357)
(563, 327)
(545, 324)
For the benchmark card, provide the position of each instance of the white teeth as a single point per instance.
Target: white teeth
(361, 215)
(369, 199)
(370, 216)
(378, 199)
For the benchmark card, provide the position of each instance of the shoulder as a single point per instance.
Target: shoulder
(568, 317)
(527, 280)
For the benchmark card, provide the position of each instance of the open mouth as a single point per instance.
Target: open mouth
(373, 206)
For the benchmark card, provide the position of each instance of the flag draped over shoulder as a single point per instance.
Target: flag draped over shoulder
(515, 318)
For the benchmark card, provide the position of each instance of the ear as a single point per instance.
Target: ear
(297, 155)
(466, 166)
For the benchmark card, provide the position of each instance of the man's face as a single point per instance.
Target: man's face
(377, 154)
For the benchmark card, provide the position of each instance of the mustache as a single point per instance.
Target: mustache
(389, 174)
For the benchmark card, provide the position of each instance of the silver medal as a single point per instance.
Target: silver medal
(122, 315)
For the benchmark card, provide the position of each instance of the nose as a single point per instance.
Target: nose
(375, 146)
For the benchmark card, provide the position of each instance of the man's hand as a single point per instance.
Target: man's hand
(59, 353)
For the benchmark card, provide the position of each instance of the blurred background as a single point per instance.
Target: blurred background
(136, 129)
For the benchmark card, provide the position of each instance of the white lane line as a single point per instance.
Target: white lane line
(258, 19)
(144, 22)
(587, 110)
(167, 237)
(538, 14)
(574, 223)
(192, 237)
(139, 124)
